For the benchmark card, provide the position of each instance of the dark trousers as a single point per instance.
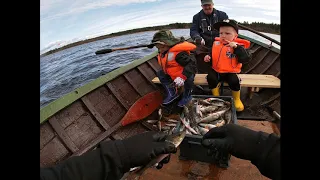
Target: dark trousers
(232, 79)
(165, 79)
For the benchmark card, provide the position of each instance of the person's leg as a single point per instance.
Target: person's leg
(186, 97)
(168, 85)
(234, 84)
(213, 82)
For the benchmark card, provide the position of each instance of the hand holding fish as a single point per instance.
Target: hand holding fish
(142, 148)
(231, 44)
(239, 141)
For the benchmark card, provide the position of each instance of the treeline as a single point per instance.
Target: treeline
(263, 27)
(258, 26)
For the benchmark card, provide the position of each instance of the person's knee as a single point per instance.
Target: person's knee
(212, 79)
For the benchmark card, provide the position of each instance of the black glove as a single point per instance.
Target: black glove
(239, 141)
(142, 148)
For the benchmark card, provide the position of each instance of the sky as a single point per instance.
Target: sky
(64, 21)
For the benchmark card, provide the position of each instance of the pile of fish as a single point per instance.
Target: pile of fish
(198, 117)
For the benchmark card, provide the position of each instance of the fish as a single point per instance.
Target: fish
(213, 116)
(202, 130)
(159, 125)
(194, 118)
(165, 128)
(214, 99)
(175, 139)
(209, 109)
(171, 124)
(172, 120)
(152, 121)
(228, 116)
(207, 126)
(187, 125)
(204, 102)
(218, 123)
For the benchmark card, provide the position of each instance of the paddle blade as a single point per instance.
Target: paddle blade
(142, 108)
(104, 51)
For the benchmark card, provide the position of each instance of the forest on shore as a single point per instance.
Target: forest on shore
(258, 26)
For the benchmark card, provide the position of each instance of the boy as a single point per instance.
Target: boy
(177, 66)
(228, 54)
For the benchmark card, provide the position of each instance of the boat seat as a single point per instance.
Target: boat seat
(253, 81)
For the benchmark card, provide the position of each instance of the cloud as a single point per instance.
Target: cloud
(67, 20)
(79, 6)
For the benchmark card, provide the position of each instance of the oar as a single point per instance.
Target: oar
(104, 51)
(142, 108)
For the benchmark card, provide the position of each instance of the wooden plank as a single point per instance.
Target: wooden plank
(118, 96)
(258, 61)
(143, 72)
(270, 64)
(133, 84)
(63, 135)
(152, 66)
(97, 115)
(247, 80)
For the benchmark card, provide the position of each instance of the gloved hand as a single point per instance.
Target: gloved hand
(200, 41)
(239, 141)
(142, 148)
(179, 81)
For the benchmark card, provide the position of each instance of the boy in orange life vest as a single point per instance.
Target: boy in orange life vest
(227, 56)
(178, 68)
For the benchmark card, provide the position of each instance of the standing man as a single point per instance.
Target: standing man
(202, 31)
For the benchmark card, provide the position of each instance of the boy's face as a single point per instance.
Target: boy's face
(162, 48)
(227, 33)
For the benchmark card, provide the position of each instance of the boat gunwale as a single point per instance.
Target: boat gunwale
(55, 106)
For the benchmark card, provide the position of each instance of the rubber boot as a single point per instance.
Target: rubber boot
(216, 91)
(172, 94)
(237, 102)
(186, 97)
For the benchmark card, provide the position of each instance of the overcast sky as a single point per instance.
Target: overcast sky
(65, 20)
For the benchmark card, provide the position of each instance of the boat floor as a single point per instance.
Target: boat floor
(190, 170)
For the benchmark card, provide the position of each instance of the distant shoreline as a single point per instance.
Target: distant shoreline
(258, 26)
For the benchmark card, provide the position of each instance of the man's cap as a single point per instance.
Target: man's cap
(226, 22)
(164, 37)
(203, 2)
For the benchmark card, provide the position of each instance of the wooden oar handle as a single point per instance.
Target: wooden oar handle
(104, 51)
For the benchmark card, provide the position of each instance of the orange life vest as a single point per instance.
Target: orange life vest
(168, 62)
(223, 59)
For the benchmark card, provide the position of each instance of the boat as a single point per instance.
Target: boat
(75, 123)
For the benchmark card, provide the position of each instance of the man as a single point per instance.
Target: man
(178, 67)
(202, 31)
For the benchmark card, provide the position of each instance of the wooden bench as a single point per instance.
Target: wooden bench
(253, 81)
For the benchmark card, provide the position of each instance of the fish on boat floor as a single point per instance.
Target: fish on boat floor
(190, 170)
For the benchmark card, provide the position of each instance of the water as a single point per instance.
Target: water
(71, 68)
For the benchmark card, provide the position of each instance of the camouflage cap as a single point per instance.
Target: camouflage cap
(164, 37)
